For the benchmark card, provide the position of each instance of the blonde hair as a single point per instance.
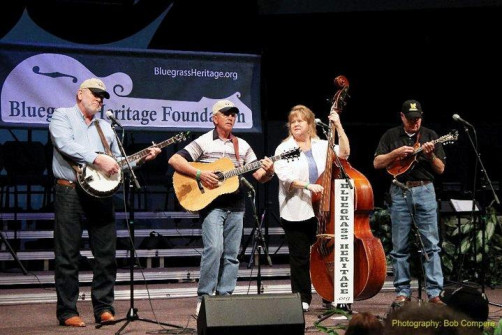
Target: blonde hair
(305, 113)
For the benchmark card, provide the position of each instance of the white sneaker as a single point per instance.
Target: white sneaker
(305, 306)
(197, 309)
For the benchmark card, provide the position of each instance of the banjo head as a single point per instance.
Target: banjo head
(98, 184)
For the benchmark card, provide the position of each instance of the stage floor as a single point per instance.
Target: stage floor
(32, 310)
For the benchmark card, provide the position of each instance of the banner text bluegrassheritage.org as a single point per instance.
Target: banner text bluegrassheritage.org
(173, 73)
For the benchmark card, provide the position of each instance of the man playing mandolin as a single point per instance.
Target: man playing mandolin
(80, 138)
(222, 219)
(410, 153)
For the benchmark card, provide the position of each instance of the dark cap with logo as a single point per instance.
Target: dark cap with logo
(412, 109)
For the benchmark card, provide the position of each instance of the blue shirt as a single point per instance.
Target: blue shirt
(313, 175)
(78, 141)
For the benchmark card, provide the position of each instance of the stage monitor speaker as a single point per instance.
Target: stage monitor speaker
(467, 300)
(260, 314)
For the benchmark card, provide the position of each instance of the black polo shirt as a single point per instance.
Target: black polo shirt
(420, 170)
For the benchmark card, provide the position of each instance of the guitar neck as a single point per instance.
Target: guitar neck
(144, 152)
(248, 167)
(421, 148)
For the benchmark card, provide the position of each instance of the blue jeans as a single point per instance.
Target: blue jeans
(221, 236)
(421, 201)
(70, 206)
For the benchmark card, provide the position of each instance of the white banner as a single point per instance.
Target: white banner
(344, 242)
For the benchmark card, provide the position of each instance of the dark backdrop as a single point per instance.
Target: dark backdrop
(447, 58)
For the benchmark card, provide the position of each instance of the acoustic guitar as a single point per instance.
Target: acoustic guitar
(400, 166)
(193, 196)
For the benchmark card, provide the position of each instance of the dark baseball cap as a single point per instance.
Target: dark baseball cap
(412, 109)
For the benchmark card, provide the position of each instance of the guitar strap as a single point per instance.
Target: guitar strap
(103, 139)
(236, 149)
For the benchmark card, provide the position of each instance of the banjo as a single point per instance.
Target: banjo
(98, 184)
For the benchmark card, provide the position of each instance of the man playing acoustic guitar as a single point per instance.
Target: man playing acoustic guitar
(222, 219)
(413, 197)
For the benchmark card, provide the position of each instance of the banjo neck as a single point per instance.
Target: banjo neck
(140, 154)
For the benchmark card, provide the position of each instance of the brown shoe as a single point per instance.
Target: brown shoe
(74, 321)
(401, 299)
(436, 300)
(106, 317)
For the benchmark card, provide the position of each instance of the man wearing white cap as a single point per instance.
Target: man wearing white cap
(76, 138)
(222, 219)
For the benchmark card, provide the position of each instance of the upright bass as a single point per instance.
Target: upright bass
(370, 265)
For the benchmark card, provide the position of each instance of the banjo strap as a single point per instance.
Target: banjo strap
(70, 161)
(103, 139)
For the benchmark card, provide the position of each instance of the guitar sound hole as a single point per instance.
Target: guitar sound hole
(220, 175)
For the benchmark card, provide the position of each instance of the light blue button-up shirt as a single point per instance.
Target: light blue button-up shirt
(78, 141)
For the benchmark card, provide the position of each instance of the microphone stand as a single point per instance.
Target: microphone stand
(418, 241)
(132, 313)
(495, 199)
(242, 252)
(258, 242)
(13, 253)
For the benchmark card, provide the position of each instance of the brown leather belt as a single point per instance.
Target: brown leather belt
(65, 182)
(417, 183)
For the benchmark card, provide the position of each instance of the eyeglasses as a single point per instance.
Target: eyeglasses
(228, 114)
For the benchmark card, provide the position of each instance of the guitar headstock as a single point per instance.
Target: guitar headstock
(291, 154)
(181, 136)
(449, 138)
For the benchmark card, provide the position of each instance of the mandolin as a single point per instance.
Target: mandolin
(401, 165)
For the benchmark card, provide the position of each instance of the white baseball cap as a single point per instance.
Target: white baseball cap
(225, 107)
(95, 85)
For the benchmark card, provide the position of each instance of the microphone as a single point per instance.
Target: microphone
(457, 118)
(248, 184)
(320, 123)
(400, 185)
(111, 117)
